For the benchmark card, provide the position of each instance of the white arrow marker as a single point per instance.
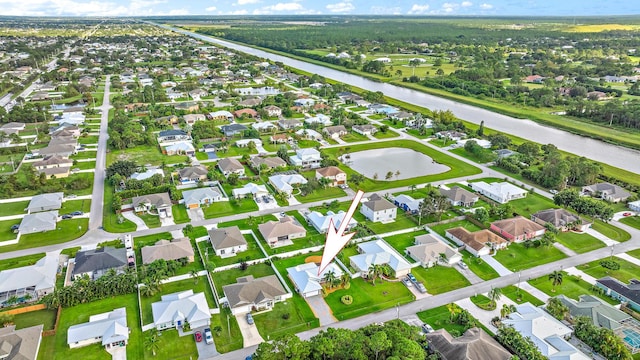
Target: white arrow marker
(337, 239)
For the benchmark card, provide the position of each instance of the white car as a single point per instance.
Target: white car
(208, 338)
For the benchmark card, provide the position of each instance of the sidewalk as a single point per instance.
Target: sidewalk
(534, 291)
(502, 271)
(629, 258)
(584, 276)
(601, 237)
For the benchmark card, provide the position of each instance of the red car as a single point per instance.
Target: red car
(627, 214)
(198, 336)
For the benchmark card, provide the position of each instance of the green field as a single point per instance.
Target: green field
(571, 287)
(21, 261)
(228, 277)
(66, 230)
(13, 208)
(225, 208)
(626, 272)
(633, 221)
(517, 257)
(440, 279)
(520, 296)
(579, 242)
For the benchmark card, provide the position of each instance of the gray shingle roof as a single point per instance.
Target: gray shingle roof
(226, 237)
(249, 291)
(99, 259)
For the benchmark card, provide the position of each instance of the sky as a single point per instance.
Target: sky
(336, 7)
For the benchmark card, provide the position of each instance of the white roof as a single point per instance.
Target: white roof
(322, 222)
(197, 195)
(284, 182)
(42, 274)
(180, 146)
(412, 204)
(46, 200)
(502, 188)
(306, 277)
(378, 252)
(147, 174)
(42, 221)
(262, 125)
(308, 154)
(221, 113)
(319, 119)
(244, 142)
(250, 188)
(111, 326)
(180, 305)
(309, 132)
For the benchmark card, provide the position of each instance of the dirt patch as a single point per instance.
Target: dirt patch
(313, 259)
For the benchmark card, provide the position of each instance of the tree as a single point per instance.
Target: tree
(123, 168)
(556, 279)
(151, 341)
(529, 149)
(454, 310)
(557, 308)
(379, 342)
(389, 175)
(499, 141)
(374, 271)
(283, 153)
(233, 178)
(495, 294)
(194, 275)
(397, 174)
(481, 214)
(330, 278)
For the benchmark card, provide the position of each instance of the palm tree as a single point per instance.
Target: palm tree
(556, 279)
(453, 311)
(374, 271)
(330, 278)
(345, 279)
(495, 294)
(151, 341)
(194, 276)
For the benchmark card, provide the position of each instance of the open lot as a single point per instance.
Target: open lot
(579, 243)
(518, 257)
(440, 279)
(571, 287)
(225, 208)
(626, 272)
(289, 317)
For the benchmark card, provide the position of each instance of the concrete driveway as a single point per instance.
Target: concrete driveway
(205, 350)
(272, 204)
(131, 216)
(195, 214)
(250, 333)
(321, 310)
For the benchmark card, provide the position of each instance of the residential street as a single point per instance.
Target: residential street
(97, 199)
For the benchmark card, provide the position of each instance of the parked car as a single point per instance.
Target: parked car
(407, 282)
(553, 191)
(198, 336)
(249, 319)
(427, 328)
(208, 338)
(66, 216)
(412, 278)
(15, 227)
(77, 213)
(463, 265)
(258, 200)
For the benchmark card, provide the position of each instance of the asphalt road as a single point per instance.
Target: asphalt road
(97, 197)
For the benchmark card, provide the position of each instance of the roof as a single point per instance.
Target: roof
(411, 203)
(20, 344)
(226, 237)
(285, 226)
(158, 200)
(609, 189)
(229, 164)
(233, 127)
(111, 326)
(329, 171)
(335, 129)
(250, 188)
(457, 193)
(180, 146)
(477, 239)
(181, 305)
(167, 250)
(600, 313)
(248, 291)
(428, 248)
(41, 221)
(53, 160)
(271, 162)
(306, 277)
(197, 195)
(193, 172)
(322, 222)
(474, 344)
(518, 226)
(42, 274)
(51, 200)
(630, 291)
(378, 252)
(104, 258)
(378, 203)
(147, 174)
(503, 188)
(308, 154)
(283, 182)
(557, 217)
(172, 132)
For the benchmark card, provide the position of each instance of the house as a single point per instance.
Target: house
(451, 135)
(505, 153)
(320, 119)
(627, 293)
(188, 106)
(233, 129)
(378, 209)
(284, 183)
(474, 344)
(367, 129)
(281, 232)
(499, 192)
(407, 203)
(333, 174)
(250, 294)
(517, 229)
(309, 134)
(321, 222)
(179, 148)
(458, 196)
(194, 199)
(250, 189)
(378, 252)
(601, 313)
(110, 329)
(335, 132)
(306, 158)
(289, 124)
(38, 222)
(606, 191)
(561, 219)
(272, 110)
(230, 166)
(33, 281)
(263, 126)
(279, 139)
(304, 102)
(62, 150)
(12, 128)
(191, 119)
(149, 173)
(306, 279)
(22, 344)
(251, 102)
(45, 202)
(245, 142)
(256, 162)
(246, 113)
(193, 174)
(168, 250)
(97, 262)
(428, 249)
(169, 136)
(53, 165)
(197, 94)
(227, 242)
(221, 115)
(478, 243)
(634, 205)
(547, 333)
(160, 203)
(173, 310)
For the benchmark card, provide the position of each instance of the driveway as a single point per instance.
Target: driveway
(205, 350)
(195, 214)
(321, 310)
(250, 333)
(485, 316)
(272, 204)
(473, 278)
(167, 221)
(118, 353)
(499, 268)
(131, 216)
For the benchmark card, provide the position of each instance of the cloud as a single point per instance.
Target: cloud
(246, 2)
(279, 7)
(341, 7)
(235, 12)
(418, 9)
(80, 8)
(466, 4)
(486, 6)
(382, 10)
(210, 8)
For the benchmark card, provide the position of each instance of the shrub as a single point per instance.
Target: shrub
(609, 264)
(286, 316)
(347, 299)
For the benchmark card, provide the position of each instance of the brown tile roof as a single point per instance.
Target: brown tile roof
(249, 291)
(329, 171)
(226, 237)
(286, 226)
(518, 225)
(477, 239)
(167, 250)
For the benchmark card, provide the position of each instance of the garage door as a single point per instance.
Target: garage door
(193, 206)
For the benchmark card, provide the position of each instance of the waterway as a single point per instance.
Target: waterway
(406, 163)
(618, 156)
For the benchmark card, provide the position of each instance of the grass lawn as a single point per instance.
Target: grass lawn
(66, 230)
(152, 221)
(610, 231)
(633, 221)
(75, 205)
(86, 154)
(13, 208)
(91, 139)
(402, 241)
(513, 293)
(368, 298)
(229, 338)
(172, 287)
(440, 279)
(227, 277)
(322, 194)
(179, 214)
(517, 257)
(479, 266)
(144, 155)
(20, 261)
(393, 124)
(224, 208)
(626, 272)
(439, 318)
(531, 204)
(283, 264)
(457, 167)
(46, 317)
(253, 252)
(273, 325)
(571, 286)
(110, 220)
(442, 228)
(385, 135)
(353, 137)
(5, 230)
(579, 243)
(85, 165)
